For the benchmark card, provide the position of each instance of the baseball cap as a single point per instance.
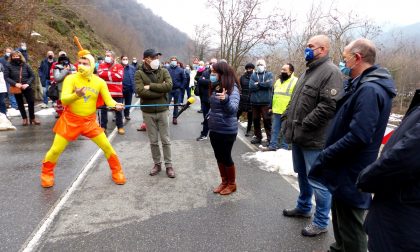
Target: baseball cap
(150, 53)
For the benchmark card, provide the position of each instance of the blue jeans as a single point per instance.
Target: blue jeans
(275, 131)
(176, 94)
(3, 108)
(12, 98)
(45, 95)
(302, 162)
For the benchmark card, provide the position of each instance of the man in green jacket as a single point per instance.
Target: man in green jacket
(153, 83)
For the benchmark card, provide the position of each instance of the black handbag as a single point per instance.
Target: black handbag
(53, 92)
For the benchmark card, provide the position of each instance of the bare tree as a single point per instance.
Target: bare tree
(241, 28)
(201, 41)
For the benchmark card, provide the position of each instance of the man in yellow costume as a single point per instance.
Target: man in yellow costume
(79, 96)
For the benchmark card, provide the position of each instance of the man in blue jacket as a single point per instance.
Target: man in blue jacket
(393, 222)
(128, 84)
(260, 90)
(44, 75)
(178, 82)
(353, 142)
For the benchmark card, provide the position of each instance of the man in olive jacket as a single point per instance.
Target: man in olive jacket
(305, 121)
(153, 83)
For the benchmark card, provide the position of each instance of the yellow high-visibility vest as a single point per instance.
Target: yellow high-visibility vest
(282, 94)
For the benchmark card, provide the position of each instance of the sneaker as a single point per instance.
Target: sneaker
(121, 131)
(201, 138)
(128, 118)
(155, 170)
(312, 230)
(256, 141)
(200, 111)
(265, 148)
(170, 172)
(174, 121)
(296, 213)
(142, 127)
(44, 105)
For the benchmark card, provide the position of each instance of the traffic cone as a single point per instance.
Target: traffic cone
(47, 174)
(117, 172)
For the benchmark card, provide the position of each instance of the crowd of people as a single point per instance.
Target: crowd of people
(332, 118)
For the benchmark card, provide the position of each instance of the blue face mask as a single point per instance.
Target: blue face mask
(173, 63)
(309, 54)
(213, 78)
(345, 70)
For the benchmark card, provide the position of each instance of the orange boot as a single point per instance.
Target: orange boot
(231, 187)
(223, 175)
(117, 172)
(47, 174)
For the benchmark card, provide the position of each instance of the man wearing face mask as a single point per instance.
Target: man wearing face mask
(134, 63)
(178, 83)
(245, 104)
(153, 83)
(128, 85)
(304, 124)
(112, 73)
(44, 75)
(260, 88)
(283, 90)
(353, 142)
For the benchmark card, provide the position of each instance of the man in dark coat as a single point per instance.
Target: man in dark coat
(393, 222)
(178, 81)
(353, 142)
(304, 124)
(245, 103)
(44, 75)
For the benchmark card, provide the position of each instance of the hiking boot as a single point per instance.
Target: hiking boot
(201, 138)
(142, 127)
(170, 172)
(155, 170)
(174, 121)
(128, 118)
(312, 230)
(256, 141)
(296, 213)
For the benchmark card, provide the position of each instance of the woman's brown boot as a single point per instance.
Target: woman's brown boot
(231, 186)
(35, 122)
(25, 122)
(224, 183)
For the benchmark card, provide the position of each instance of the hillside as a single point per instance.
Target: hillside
(123, 26)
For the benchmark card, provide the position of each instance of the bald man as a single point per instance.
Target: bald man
(353, 142)
(306, 119)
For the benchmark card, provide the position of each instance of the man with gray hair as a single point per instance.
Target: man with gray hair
(353, 142)
(306, 118)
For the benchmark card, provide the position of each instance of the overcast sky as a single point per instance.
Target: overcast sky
(184, 14)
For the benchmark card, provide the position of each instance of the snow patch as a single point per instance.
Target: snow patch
(279, 161)
(46, 112)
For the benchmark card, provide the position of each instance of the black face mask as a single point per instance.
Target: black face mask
(16, 61)
(50, 57)
(284, 76)
(249, 72)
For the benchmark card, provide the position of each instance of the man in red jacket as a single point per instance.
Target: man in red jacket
(112, 73)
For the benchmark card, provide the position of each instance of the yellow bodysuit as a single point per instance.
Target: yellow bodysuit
(79, 118)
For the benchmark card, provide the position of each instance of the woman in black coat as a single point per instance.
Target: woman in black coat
(393, 221)
(20, 75)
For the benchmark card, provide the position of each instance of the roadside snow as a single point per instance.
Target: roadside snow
(279, 161)
(46, 112)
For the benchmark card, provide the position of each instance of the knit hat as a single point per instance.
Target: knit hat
(249, 66)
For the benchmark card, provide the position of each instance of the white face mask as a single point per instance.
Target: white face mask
(108, 59)
(260, 69)
(125, 62)
(134, 61)
(154, 64)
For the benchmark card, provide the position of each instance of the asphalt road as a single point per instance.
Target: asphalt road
(147, 213)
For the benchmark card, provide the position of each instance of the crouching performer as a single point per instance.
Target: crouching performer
(79, 97)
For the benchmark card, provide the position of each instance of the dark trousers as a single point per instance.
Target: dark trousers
(128, 97)
(29, 96)
(222, 146)
(118, 115)
(348, 228)
(259, 111)
(176, 94)
(249, 117)
(3, 108)
(205, 107)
